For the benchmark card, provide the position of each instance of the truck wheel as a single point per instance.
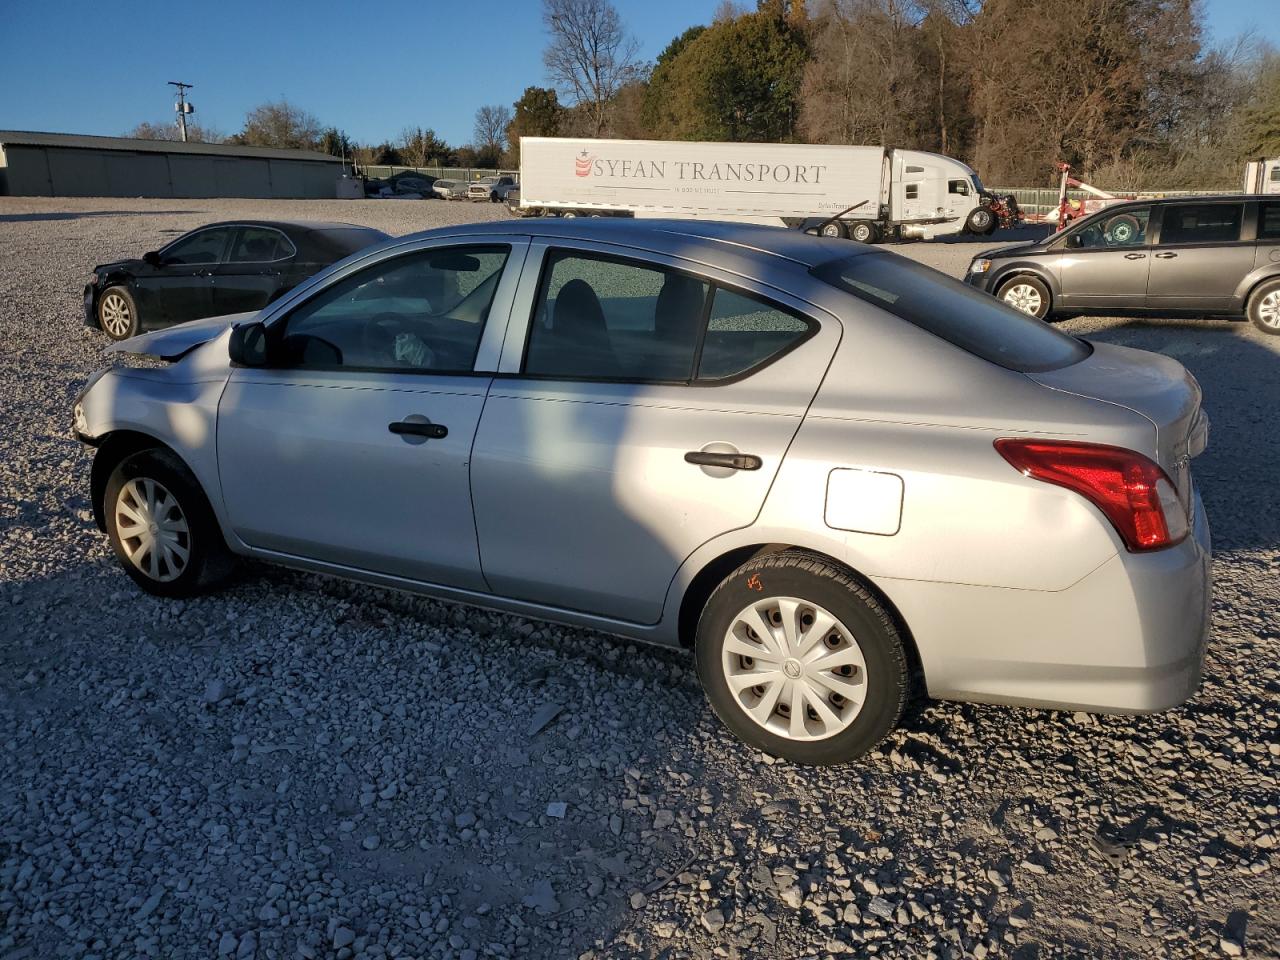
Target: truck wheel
(981, 220)
(834, 229)
(864, 231)
(1028, 294)
(568, 214)
(1264, 307)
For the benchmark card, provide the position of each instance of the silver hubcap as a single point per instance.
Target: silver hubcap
(1269, 310)
(1024, 297)
(794, 668)
(152, 529)
(116, 315)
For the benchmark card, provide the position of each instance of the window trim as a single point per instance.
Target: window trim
(278, 326)
(549, 256)
(227, 261)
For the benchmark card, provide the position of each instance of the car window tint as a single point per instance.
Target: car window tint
(204, 246)
(422, 312)
(743, 332)
(1201, 223)
(260, 245)
(971, 320)
(1124, 228)
(600, 318)
(1269, 220)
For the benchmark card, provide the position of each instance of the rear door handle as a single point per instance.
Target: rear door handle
(1165, 256)
(1135, 256)
(734, 461)
(432, 431)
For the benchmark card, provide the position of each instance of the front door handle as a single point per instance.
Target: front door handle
(1165, 256)
(432, 431)
(1135, 256)
(733, 461)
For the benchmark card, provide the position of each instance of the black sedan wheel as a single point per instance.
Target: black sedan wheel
(118, 314)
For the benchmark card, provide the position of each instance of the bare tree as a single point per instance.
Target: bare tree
(280, 124)
(590, 54)
(491, 128)
(196, 133)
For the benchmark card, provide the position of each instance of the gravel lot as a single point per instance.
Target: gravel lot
(297, 767)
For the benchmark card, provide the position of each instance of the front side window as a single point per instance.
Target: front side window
(600, 318)
(1269, 220)
(1201, 223)
(959, 187)
(203, 246)
(913, 191)
(422, 312)
(260, 245)
(1124, 228)
(973, 321)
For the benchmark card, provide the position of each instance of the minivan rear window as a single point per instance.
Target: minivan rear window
(974, 321)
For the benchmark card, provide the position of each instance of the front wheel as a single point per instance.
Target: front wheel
(1264, 307)
(118, 314)
(801, 661)
(1028, 294)
(981, 221)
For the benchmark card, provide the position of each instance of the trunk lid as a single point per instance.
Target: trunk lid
(1157, 388)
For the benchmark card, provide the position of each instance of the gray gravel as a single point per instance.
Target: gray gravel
(298, 767)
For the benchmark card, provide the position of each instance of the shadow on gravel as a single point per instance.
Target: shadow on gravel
(1033, 231)
(32, 217)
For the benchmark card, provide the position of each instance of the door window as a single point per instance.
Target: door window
(423, 312)
(203, 246)
(1201, 223)
(260, 245)
(913, 191)
(1269, 220)
(1124, 228)
(960, 187)
(600, 318)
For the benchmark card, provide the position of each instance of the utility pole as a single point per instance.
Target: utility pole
(182, 107)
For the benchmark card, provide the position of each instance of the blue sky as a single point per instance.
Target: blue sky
(369, 68)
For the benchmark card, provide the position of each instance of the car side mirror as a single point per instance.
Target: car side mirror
(248, 345)
(151, 258)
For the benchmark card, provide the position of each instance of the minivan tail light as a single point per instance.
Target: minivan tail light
(1134, 493)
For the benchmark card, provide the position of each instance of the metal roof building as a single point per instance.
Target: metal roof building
(71, 165)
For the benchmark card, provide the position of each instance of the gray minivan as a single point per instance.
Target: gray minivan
(1216, 256)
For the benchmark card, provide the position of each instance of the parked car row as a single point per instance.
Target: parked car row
(666, 430)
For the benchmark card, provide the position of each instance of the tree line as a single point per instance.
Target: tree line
(1127, 91)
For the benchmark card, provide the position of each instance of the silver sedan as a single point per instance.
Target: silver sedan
(842, 478)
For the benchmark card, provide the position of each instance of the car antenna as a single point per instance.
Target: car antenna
(818, 228)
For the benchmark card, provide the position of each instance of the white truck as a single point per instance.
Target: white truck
(1262, 175)
(866, 193)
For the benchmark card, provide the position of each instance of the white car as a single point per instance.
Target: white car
(493, 189)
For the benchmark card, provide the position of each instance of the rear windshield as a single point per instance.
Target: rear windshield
(973, 321)
(347, 240)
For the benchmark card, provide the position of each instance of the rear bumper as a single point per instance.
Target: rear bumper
(1128, 638)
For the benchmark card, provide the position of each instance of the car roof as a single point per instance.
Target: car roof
(290, 225)
(748, 240)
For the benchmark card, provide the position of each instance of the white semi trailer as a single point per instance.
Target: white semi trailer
(1262, 175)
(894, 194)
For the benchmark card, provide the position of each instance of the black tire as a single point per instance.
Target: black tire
(118, 314)
(981, 221)
(864, 231)
(208, 561)
(568, 214)
(811, 579)
(1264, 307)
(1009, 289)
(493, 196)
(835, 229)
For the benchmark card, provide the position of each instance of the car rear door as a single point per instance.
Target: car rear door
(1104, 262)
(253, 270)
(648, 414)
(1199, 257)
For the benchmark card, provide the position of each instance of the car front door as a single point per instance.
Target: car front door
(1104, 262)
(352, 446)
(647, 415)
(181, 286)
(1199, 258)
(253, 271)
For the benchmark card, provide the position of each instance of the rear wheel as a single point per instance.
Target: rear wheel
(1264, 307)
(864, 231)
(834, 229)
(118, 314)
(161, 526)
(1028, 294)
(800, 660)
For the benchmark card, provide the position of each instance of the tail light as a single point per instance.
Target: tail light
(1133, 492)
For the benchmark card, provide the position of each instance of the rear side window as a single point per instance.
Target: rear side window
(1269, 219)
(974, 321)
(601, 318)
(1201, 223)
(260, 245)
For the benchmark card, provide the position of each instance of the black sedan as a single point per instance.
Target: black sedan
(218, 269)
